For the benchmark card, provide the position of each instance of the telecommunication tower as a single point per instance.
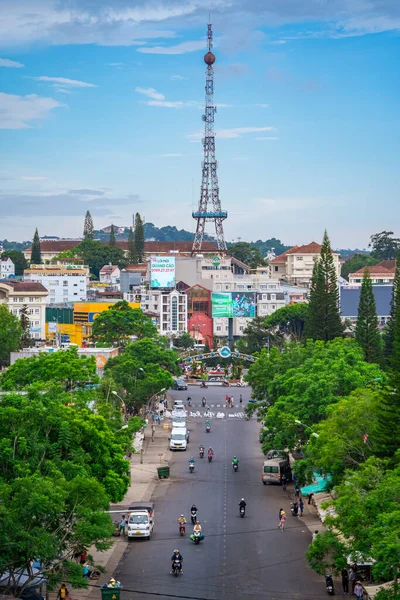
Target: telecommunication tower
(209, 205)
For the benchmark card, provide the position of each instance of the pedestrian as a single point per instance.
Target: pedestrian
(359, 590)
(310, 497)
(226, 399)
(240, 399)
(83, 557)
(122, 525)
(301, 506)
(63, 592)
(282, 521)
(352, 578)
(314, 535)
(345, 581)
(232, 401)
(297, 492)
(280, 513)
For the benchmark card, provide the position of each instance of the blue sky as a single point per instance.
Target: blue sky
(101, 104)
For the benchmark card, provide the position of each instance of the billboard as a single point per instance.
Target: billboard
(221, 304)
(233, 304)
(162, 272)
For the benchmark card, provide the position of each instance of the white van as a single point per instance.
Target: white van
(178, 439)
(273, 469)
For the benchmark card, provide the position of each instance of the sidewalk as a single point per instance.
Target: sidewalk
(310, 518)
(144, 480)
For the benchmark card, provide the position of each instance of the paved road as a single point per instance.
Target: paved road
(240, 558)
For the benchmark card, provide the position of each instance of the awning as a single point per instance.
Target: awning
(317, 487)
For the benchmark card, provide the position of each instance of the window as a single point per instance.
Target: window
(21, 299)
(31, 299)
(218, 328)
(15, 311)
(75, 285)
(75, 293)
(30, 311)
(37, 311)
(299, 258)
(65, 282)
(241, 328)
(274, 307)
(37, 323)
(264, 306)
(276, 269)
(174, 314)
(273, 297)
(227, 287)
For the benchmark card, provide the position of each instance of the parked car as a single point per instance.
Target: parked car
(179, 384)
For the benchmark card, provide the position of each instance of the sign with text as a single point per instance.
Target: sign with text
(221, 305)
(233, 304)
(162, 272)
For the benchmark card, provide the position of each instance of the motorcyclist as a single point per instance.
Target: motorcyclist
(210, 451)
(197, 528)
(201, 450)
(235, 461)
(242, 503)
(203, 401)
(240, 399)
(177, 556)
(193, 509)
(182, 520)
(189, 400)
(191, 461)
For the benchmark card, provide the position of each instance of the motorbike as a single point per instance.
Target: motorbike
(191, 467)
(203, 402)
(240, 384)
(189, 401)
(193, 516)
(210, 457)
(182, 529)
(329, 585)
(201, 452)
(196, 537)
(235, 466)
(242, 510)
(203, 385)
(225, 384)
(294, 509)
(208, 428)
(176, 567)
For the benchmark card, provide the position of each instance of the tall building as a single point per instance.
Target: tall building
(65, 283)
(16, 294)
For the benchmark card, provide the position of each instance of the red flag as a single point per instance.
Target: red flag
(365, 438)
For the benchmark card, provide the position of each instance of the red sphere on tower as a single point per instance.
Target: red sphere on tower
(209, 58)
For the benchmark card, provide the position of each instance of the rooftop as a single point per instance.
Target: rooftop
(25, 286)
(108, 269)
(373, 270)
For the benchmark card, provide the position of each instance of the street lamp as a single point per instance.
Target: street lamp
(122, 428)
(373, 381)
(307, 427)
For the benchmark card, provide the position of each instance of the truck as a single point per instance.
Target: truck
(140, 519)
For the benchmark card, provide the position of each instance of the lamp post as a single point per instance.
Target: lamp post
(123, 406)
(373, 381)
(307, 427)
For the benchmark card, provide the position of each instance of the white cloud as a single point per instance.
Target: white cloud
(235, 132)
(240, 158)
(177, 49)
(175, 104)
(150, 93)
(262, 105)
(269, 138)
(11, 64)
(177, 78)
(34, 178)
(170, 155)
(63, 81)
(17, 112)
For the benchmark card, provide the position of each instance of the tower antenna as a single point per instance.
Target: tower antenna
(209, 208)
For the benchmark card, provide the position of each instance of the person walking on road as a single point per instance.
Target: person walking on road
(62, 592)
(352, 578)
(280, 513)
(300, 506)
(282, 521)
(345, 581)
(358, 590)
(240, 399)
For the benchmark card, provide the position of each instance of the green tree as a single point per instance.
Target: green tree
(88, 226)
(139, 237)
(112, 241)
(367, 333)
(323, 319)
(184, 341)
(247, 253)
(10, 334)
(18, 259)
(357, 262)
(132, 254)
(289, 321)
(36, 256)
(388, 336)
(64, 367)
(384, 245)
(143, 369)
(255, 337)
(96, 255)
(114, 327)
(26, 338)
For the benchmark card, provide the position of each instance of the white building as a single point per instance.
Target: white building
(7, 268)
(65, 283)
(296, 264)
(173, 313)
(16, 294)
(110, 274)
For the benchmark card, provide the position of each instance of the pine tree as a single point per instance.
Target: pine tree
(323, 320)
(26, 339)
(367, 333)
(388, 439)
(88, 226)
(132, 255)
(389, 333)
(36, 256)
(112, 241)
(139, 237)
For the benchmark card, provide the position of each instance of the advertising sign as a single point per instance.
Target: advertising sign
(221, 305)
(233, 304)
(243, 304)
(162, 272)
